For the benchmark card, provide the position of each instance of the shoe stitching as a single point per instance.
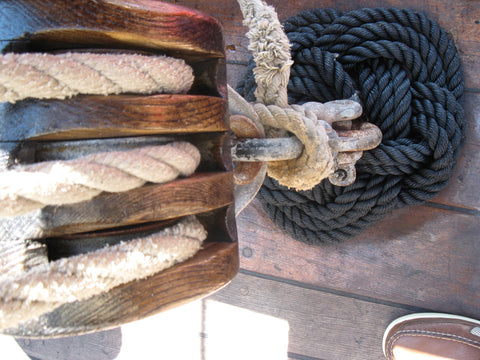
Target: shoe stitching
(431, 334)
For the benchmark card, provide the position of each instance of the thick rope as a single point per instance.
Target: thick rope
(45, 287)
(30, 187)
(30, 285)
(407, 73)
(47, 76)
(315, 163)
(271, 52)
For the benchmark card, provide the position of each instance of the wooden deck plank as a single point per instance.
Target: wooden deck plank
(322, 325)
(420, 256)
(252, 318)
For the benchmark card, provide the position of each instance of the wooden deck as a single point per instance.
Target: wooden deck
(293, 301)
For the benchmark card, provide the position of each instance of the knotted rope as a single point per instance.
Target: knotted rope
(30, 187)
(46, 286)
(407, 73)
(59, 76)
(270, 49)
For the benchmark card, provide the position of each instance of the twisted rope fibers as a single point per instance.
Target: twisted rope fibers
(407, 73)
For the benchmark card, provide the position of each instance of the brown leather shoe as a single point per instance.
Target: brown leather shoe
(432, 336)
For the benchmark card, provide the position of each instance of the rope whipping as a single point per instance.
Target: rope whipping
(407, 74)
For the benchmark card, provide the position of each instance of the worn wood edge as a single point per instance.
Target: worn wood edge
(193, 195)
(144, 24)
(209, 270)
(112, 116)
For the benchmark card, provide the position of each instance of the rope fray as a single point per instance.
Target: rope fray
(60, 76)
(30, 187)
(43, 288)
(271, 51)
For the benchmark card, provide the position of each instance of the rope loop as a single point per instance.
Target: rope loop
(316, 161)
(407, 74)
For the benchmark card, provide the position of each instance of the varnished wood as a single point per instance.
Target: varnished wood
(143, 25)
(112, 116)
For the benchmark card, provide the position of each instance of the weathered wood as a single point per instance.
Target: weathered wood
(420, 256)
(321, 325)
(196, 194)
(251, 318)
(200, 117)
(110, 116)
(142, 25)
(462, 190)
(211, 268)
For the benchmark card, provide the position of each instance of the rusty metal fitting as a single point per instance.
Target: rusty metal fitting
(346, 145)
(243, 128)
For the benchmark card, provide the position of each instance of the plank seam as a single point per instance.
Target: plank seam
(334, 292)
(296, 356)
(457, 209)
(471, 90)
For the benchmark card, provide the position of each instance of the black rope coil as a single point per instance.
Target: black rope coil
(407, 73)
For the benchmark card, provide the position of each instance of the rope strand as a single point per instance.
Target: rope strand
(60, 76)
(30, 187)
(46, 286)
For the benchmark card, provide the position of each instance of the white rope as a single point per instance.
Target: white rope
(29, 187)
(43, 288)
(60, 76)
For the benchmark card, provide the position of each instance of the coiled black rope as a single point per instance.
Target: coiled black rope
(407, 73)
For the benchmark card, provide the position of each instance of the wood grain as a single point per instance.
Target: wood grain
(196, 194)
(420, 256)
(322, 325)
(462, 190)
(142, 25)
(209, 270)
(201, 116)
(241, 322)
(110, 116)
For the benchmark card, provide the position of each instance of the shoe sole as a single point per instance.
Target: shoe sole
(422, 316)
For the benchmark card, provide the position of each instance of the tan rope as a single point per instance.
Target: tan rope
(315, 163)
(271, 51)
(48, 76)
(29, 187)
(43, 288)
